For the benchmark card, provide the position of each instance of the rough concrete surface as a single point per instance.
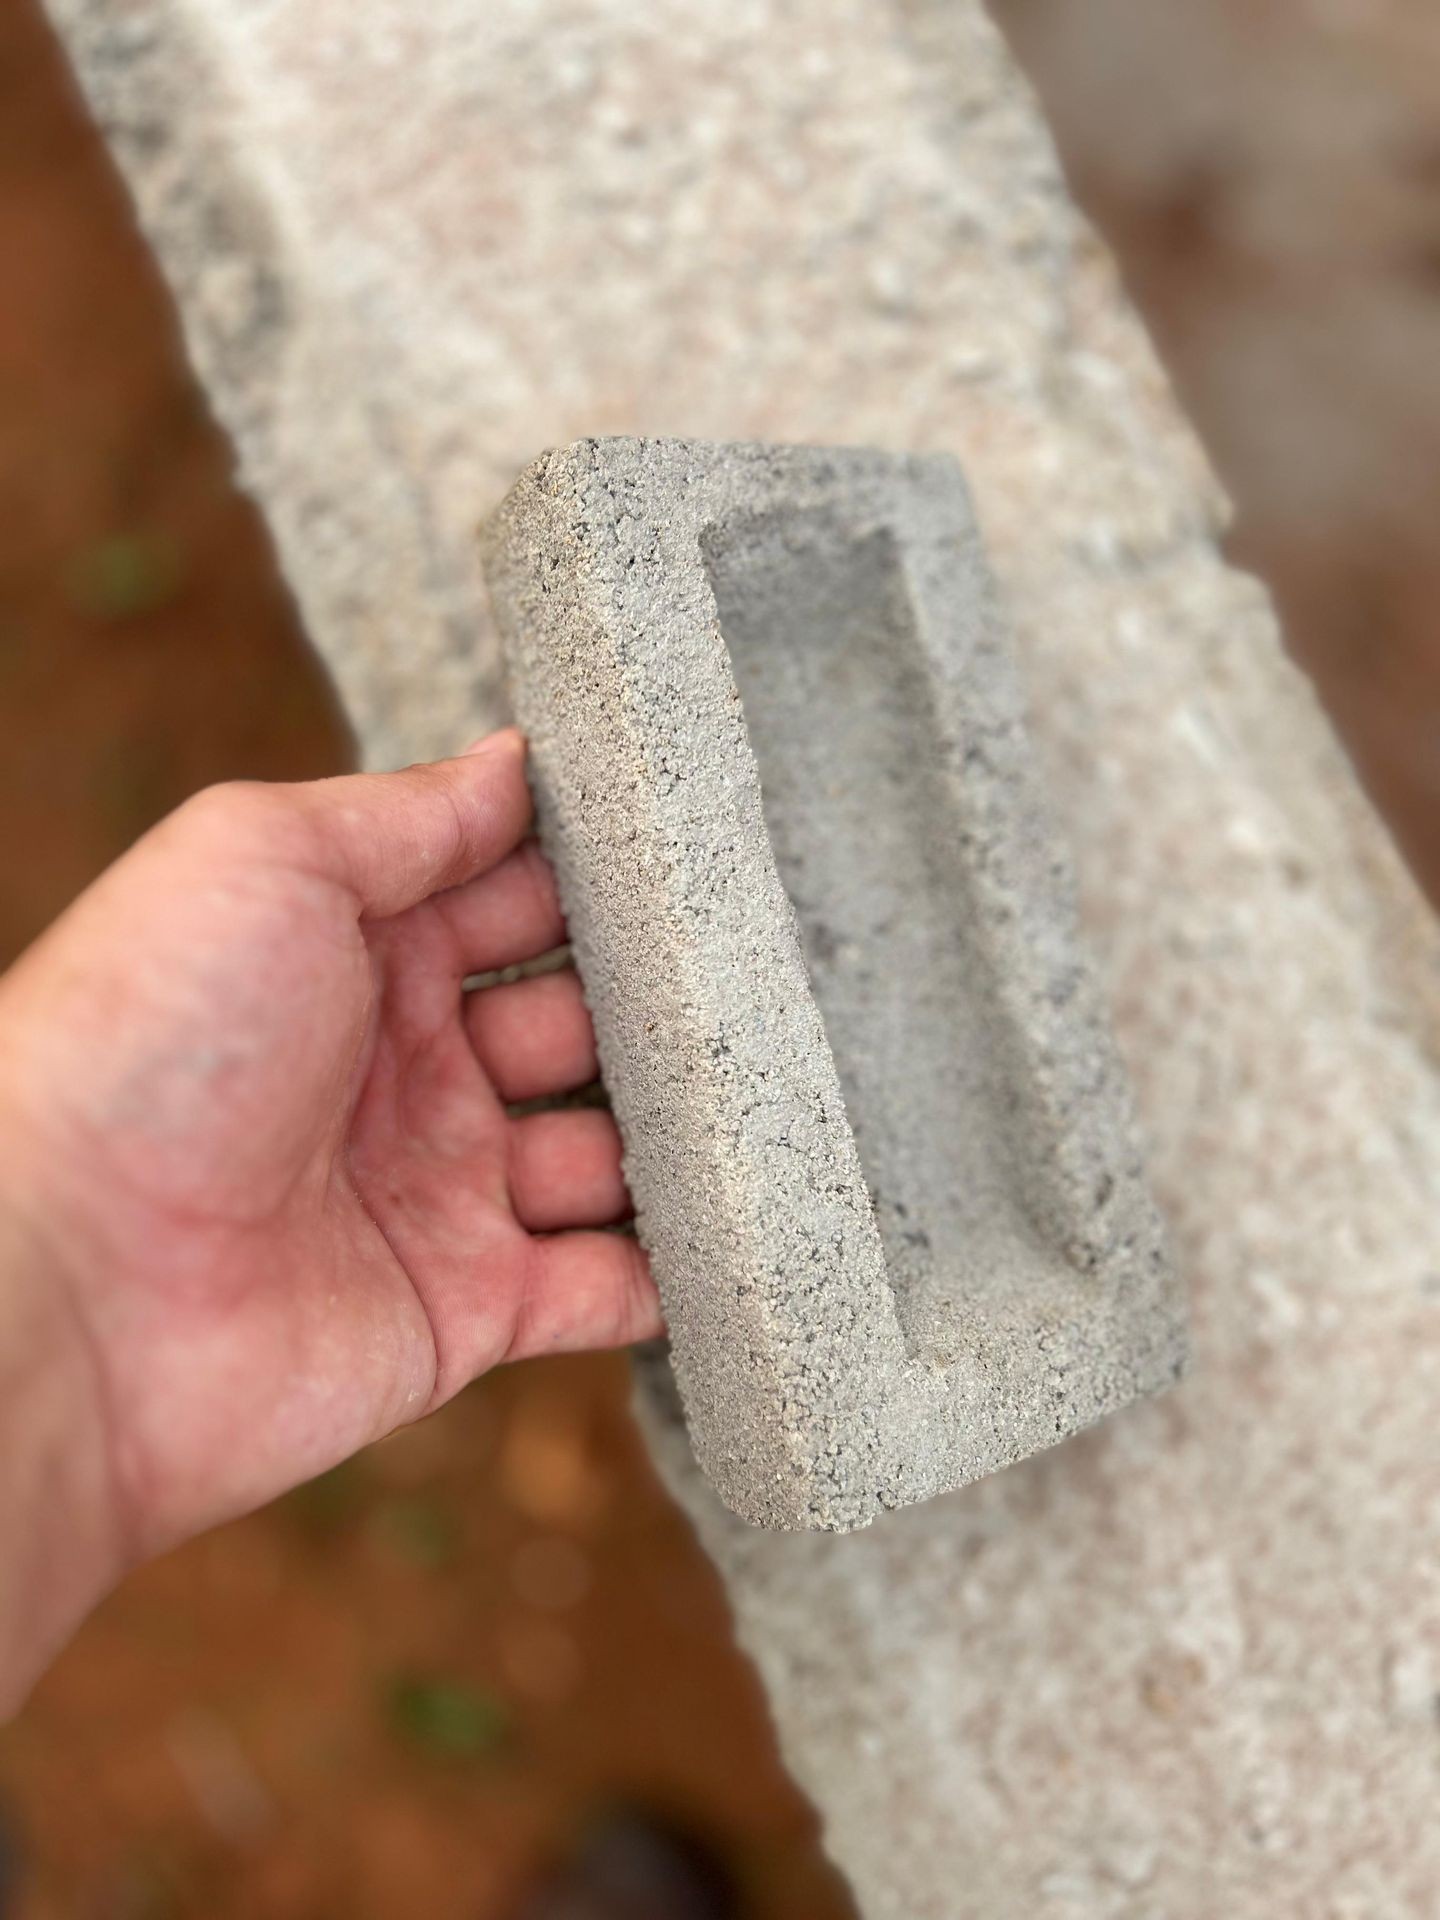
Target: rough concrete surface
(1185, 1665)
(876, 1132)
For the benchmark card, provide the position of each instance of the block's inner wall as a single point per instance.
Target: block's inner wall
(821, 634)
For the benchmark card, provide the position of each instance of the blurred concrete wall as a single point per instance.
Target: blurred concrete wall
(1269, 175)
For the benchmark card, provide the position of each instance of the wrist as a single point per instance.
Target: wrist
(61, 1532)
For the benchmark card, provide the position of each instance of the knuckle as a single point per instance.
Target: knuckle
(540, 875)
(235, 810)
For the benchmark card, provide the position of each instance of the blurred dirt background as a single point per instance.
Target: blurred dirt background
(401, 1689)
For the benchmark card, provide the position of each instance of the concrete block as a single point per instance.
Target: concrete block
(877, 1134)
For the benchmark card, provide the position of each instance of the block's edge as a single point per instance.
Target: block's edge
(791, 1490)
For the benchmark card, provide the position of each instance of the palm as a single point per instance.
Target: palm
(308, 1213)
(448, 1178)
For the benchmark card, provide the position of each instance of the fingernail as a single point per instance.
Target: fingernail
(487, 741)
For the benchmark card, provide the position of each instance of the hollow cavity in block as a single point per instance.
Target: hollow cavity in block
(862, 818)
(879, 1143)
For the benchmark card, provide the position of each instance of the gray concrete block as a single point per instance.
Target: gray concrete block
(878, 1137)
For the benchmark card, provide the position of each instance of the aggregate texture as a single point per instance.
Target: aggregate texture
(1186, 1664)
(876, 1131)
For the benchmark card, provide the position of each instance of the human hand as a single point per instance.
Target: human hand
(260, 1197)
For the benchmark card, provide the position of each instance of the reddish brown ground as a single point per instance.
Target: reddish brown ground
(391, 1694)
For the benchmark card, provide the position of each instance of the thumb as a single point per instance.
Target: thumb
(393, 839)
